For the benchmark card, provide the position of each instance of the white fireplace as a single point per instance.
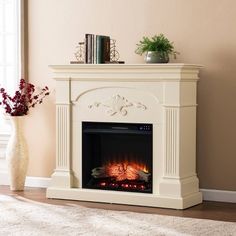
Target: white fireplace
(160, 97)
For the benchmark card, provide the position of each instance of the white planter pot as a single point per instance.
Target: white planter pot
(17, 155)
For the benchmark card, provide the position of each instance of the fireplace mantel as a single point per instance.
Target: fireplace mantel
(126, 72)
(163, 95)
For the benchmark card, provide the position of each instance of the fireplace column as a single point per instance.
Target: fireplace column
(179, 173)
(62, 176)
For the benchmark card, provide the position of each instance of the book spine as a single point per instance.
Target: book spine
(89, 49)
(106, 49)
(99, 42)
(102, 49)
(92, 48)
(86, 49)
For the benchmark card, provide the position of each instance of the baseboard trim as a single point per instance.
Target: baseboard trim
(37, 182)
(218, 195)
(208, 194)
(4, 178)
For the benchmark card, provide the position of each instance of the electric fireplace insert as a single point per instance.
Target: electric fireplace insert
(117, 156)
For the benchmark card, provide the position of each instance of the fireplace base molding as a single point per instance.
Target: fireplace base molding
(161, 95)
(137, 199)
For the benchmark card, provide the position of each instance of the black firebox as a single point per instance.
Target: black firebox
(117, 156)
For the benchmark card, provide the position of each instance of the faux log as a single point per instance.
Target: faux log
(120, 173)
(99, 172)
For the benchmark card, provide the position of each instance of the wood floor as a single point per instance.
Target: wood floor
(206, 210)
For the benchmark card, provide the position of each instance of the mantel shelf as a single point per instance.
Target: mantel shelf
(135, 72)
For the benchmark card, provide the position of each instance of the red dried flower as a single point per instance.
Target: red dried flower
(23, 99)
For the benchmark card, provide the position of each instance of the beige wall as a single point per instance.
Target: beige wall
(204, 33)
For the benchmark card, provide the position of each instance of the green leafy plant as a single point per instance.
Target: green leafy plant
(157, 43)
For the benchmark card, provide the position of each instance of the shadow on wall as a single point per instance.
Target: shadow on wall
(216, 123)
(42, 138)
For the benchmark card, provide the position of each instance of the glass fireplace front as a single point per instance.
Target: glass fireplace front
(117, 156)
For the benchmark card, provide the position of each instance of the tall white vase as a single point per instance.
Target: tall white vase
(17, 155)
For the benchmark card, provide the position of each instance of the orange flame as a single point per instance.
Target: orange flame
(125, 170)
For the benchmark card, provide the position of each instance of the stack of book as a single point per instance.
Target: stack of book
(97, 49)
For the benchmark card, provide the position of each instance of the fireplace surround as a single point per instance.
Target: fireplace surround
(117, 156)
(126, 134)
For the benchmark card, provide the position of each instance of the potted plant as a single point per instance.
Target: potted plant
(17, 107)
(157, 48)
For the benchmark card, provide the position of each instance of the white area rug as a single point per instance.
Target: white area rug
(20, 216)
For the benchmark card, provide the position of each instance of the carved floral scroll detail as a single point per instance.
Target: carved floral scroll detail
(117, 104)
